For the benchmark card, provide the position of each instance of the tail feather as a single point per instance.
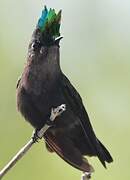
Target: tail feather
(103, 154)
(107, 156)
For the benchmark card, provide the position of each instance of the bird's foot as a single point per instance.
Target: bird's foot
(38, 134)
(86, 176)
(35, 136)
(55, 112)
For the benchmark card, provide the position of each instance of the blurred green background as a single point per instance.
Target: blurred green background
(95, 55)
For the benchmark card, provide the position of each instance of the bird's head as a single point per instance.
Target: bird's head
(45, 40)
(49, 27)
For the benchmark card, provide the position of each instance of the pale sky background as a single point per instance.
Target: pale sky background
(95, 55)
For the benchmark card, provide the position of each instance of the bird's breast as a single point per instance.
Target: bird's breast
(39, 79)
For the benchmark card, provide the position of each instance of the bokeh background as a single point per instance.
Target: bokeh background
(95, 55)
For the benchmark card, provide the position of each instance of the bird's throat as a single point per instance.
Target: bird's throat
(42, 70)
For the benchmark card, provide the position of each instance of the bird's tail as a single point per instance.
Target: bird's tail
(108, 157)
(49, 24)
(104, 155)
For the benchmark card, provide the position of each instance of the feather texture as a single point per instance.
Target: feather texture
(49, 23)
(43, 86)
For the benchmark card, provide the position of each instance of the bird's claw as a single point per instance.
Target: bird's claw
(38, 134)
(35, 136)
(57, 111)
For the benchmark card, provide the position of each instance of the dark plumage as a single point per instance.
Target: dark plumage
(43, 86)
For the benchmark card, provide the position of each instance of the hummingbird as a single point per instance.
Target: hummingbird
(43, 85)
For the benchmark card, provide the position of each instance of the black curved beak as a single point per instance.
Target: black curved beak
(57, 40)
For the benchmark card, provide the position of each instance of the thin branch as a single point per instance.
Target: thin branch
(17, 157)
(37, 135)
(86, 176)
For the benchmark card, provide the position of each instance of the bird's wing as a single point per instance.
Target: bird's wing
(66, 150)
(76, 104)
(77, 107)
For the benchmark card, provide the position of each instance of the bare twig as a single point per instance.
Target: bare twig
(86, 176)
(38, 135)
(18, 156)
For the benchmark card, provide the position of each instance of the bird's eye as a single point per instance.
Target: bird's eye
(36, 45)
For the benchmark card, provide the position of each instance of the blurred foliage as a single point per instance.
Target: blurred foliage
(95, 55)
